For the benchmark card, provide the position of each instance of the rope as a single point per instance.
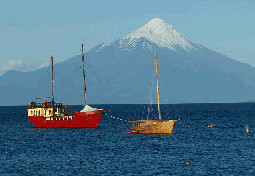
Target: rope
(179, 119)
(116, 118)
(195, 128)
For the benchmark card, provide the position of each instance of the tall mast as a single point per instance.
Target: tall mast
(52, 80)
(156, 64)
(85, 98)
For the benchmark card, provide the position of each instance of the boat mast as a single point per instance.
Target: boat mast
(85, 98)
(52, 81)
(156, 64)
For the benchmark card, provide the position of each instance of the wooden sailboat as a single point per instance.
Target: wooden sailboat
(153, 126)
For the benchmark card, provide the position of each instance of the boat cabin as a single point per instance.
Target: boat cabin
(49, 110)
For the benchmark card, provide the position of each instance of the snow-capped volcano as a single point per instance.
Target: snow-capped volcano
(121, 73)
(159, 33)
(156, 33)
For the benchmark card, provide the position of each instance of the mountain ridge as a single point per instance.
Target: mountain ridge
(121, 74)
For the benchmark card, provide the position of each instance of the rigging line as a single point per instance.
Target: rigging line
(150, 97)
(174, 102)
(174, 105)
(150, 94)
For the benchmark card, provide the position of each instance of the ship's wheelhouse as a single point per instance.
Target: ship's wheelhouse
(46, 109)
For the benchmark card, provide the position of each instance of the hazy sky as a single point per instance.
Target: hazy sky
(32, 31)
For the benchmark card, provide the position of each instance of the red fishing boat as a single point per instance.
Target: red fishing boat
(55, 115)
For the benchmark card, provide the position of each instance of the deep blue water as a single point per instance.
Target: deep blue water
(108, 150)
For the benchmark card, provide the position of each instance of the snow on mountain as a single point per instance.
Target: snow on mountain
(120, 72)
(155, 32)
(160, 33)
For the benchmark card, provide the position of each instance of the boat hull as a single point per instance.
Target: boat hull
(79, 120)
(154, 127)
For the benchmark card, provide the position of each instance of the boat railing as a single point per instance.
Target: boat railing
(45, 105)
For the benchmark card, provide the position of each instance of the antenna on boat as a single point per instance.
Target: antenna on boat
(52, 81)
(156, 64)
(85, 98)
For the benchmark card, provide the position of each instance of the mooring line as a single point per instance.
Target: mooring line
(117, 118)
(178, 121)
(195, 128)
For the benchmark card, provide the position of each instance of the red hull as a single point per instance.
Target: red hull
(80, 120)
(131, 132)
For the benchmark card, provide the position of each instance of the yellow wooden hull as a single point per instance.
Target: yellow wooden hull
(154, 126)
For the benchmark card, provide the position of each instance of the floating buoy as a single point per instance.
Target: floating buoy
(212, 125)
(247, 128)
(187, 163)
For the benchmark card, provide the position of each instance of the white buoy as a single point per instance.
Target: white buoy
(247, 128)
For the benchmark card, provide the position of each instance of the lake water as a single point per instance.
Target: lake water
(223, 150)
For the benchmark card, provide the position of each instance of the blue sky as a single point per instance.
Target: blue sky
(32, 31)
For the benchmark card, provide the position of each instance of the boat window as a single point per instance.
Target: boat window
(45, 112)
(39, 113)
(49, 112)
(31, 112)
